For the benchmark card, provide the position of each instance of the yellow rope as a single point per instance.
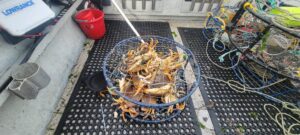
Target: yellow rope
(209, 14)
(223, 26)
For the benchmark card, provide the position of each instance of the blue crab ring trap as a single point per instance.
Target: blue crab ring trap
(137, 105)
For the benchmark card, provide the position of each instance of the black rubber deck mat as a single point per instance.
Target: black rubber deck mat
(88, 113)
(232, 111)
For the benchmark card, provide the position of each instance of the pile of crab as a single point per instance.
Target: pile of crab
(151, 80)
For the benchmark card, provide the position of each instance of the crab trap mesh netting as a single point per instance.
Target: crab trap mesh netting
(261, 65)
(264, 54)
(255, 34)
(147, 81)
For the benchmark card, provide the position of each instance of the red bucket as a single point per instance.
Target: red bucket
(91, 22)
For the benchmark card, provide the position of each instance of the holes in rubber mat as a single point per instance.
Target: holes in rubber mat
(83, 114)
(231, 109)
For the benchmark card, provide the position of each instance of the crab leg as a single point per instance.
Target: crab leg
(159, 91)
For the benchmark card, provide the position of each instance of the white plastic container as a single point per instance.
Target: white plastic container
(18, 17)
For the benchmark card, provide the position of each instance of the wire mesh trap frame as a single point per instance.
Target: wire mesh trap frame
(276, 62)
(284, 59)
(112, 68)
(254, 75)
(244, 32)
(248, 32)
(233, 110)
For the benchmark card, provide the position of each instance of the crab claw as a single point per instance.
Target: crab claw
(180, 106)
